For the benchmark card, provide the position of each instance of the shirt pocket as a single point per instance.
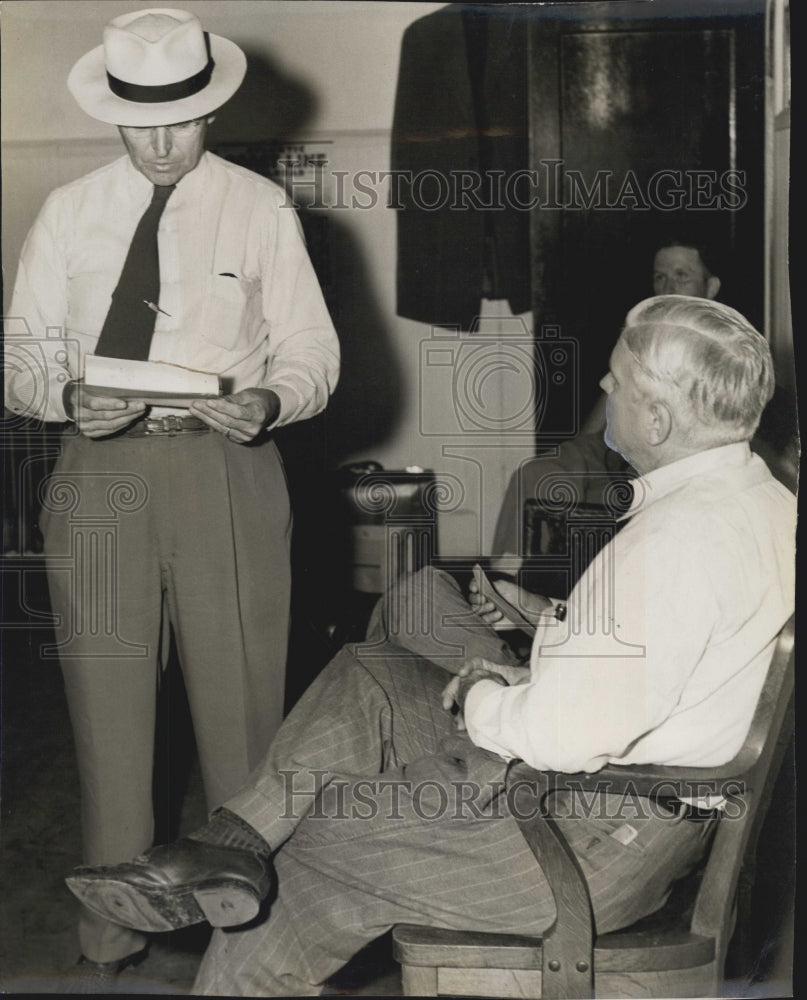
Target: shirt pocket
(231, 304)
(89, 294)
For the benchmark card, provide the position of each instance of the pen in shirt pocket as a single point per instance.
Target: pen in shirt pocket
(155, 308)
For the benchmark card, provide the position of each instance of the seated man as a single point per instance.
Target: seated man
(590, 467)
(373, 808)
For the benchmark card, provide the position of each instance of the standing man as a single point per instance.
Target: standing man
(168, 254)
(370, 809)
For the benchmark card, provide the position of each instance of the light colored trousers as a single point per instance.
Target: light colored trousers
(193, 530)
(383, 813)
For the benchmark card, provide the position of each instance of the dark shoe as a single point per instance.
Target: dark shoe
(176, 885)
(99, 977)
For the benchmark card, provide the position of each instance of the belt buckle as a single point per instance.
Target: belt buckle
(169, 424)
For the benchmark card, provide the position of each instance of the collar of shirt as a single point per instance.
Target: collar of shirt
(661, 482)
(189, 188)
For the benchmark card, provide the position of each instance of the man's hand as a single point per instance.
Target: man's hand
(476, 669)
(99, 416)
(534, 607)
(240, 416)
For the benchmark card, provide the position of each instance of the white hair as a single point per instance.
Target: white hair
(708, 358)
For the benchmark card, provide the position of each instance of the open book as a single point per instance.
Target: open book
(153, 381)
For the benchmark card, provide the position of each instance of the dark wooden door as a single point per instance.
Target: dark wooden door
(639, 129)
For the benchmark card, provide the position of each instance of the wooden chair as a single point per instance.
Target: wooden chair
(679, 951)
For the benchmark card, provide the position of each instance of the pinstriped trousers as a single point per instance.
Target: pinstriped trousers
(381, 812)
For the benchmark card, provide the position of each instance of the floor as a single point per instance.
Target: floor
(40, 839)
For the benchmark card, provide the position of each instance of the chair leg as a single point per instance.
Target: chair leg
(419, 981)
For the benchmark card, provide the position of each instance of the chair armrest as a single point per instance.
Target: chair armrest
(568, 945)
(650, 781)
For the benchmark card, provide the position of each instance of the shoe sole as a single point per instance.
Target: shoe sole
(223, 903)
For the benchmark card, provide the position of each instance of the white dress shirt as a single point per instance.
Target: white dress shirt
(668, 634)
(238, 295)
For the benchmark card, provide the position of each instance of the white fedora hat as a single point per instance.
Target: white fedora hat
(156, 67)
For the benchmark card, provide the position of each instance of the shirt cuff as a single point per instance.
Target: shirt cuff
(477, 712)
(289, 404)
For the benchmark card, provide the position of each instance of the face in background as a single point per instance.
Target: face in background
(165, 153)
(625, 412)
(680, 271)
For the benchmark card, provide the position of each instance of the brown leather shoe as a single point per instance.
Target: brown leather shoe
(176, 885)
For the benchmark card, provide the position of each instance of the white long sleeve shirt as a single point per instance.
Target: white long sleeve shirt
(668, 634)
(238, 294)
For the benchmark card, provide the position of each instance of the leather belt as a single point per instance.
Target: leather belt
(171, 424)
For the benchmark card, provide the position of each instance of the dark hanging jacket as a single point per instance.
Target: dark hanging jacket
(460, 119)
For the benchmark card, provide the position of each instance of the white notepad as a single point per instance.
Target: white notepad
(155, 381)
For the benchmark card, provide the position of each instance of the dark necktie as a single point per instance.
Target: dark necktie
(129, 324)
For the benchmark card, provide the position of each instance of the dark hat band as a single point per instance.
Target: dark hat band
(162, 93)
